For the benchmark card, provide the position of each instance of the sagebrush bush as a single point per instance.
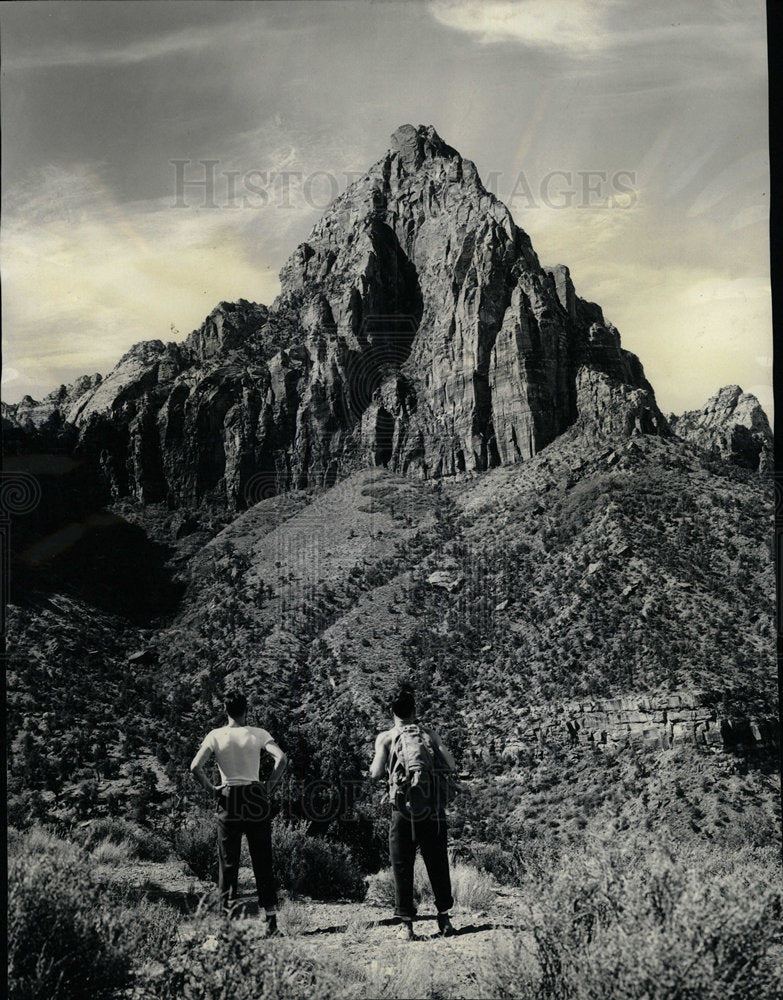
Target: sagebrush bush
(314, 866)
(303, 865)
(471, 888)
(61, 942)
(41, 840)
(107, 853)
(503, 865)
(380, 889)
(148, 928)
(367, 835)
(295, 918)
(400, 973)
(139, 842)
(195, 842)
(629, 922)
(228, 960)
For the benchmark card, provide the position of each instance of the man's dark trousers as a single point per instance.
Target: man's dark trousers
(245, 810)
(430, 835)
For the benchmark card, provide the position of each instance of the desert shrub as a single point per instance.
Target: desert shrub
(471, 888)
(107, 853)
(148, 929)
(756, 828)
(367, 834)
(61, 942)
(398, 973)
(195, 842)
(139, 843)
(41, 840)
(295, 918)
(503, 865)
(617, 924)
(303, 866)
(380, 889)
(27, 806)
(314, 866)
(227, 959)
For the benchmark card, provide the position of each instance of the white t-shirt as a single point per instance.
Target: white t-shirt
(237, 750)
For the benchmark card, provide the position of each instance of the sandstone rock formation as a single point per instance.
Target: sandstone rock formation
(732, 426)
(415, 329)
(670, 719)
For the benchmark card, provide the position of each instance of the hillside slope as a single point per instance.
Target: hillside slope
(586, 571)
(571, 625)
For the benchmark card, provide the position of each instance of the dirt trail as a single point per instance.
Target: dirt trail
(364, 937)
(361, 938)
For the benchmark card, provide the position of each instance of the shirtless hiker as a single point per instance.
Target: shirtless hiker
(243, 802)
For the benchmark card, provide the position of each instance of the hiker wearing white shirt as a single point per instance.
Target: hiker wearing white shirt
(243, 802)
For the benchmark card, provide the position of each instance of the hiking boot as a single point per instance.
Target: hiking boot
(445, 927)
(405, 931)
(271, 927)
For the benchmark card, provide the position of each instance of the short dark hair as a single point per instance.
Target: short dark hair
(236, 704)
(404, 703)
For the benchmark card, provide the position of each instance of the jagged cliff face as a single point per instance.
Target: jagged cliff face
(731, 425)
(429, 308)
(415, 329)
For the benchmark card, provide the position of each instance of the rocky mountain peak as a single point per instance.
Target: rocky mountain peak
(415, 145)
(415, 329)
(731, 425)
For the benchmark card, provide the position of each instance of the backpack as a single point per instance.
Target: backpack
(419, 778)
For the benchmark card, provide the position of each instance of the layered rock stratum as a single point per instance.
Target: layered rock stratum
(415, 329)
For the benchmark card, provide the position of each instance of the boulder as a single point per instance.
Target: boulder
(446, 581)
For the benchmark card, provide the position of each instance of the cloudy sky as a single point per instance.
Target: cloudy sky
(628, 138)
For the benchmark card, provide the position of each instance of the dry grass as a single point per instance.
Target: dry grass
(357, 927)
(380, 888)
(472, 889)
(40, 840)
(107, 852)
(403, 973)
(295, 919)
(620, 921)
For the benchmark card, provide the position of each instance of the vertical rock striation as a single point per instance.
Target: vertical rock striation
(415, 328)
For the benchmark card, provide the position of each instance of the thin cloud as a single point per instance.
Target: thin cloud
(580, 28)
(567, 24)
(84, 284)
(731, 181)
(186, 41)
(697, 323)
(86, 275)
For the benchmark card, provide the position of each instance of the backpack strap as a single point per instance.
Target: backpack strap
(397, 762)
(393, 762)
